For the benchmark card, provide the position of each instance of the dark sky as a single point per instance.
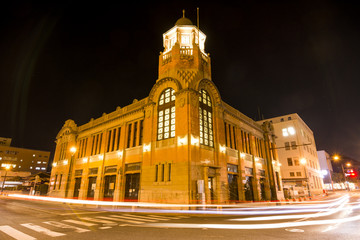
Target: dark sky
(77, 61)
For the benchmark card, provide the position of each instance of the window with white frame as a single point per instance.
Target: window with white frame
(166, 115)
(206, 119)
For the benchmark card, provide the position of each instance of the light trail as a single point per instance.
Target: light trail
(255, 226)
(244, 211)
(324, 212)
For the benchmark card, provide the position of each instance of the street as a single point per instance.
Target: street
(334, 217)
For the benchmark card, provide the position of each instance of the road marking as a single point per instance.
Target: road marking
(97, 220)
(294, 230)
(128, 219)
(12, 232)
(135, 218)
(120, 220)
(87, 224)
(63, 225)
(145, 217)
(43, 230)
(74, 213)
(102, 228)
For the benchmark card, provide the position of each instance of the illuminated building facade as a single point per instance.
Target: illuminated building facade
(181, 144)
(300, 167)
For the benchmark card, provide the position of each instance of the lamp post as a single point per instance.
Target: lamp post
(72, 151)
(336, 158)
(303, 162)
(7, 167)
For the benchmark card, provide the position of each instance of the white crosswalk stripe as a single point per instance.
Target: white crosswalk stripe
(87, 224)
(97, 220)
(116, 218)
(106, 222)
(66, 226)
(43, 230)
(12, 232)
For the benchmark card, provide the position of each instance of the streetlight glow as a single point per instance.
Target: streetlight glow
(303, 161)
(73, 150)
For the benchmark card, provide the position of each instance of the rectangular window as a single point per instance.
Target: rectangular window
(290, 162)
(298, 174)
(141, 132)
(60, 180)
(293, 145)
(292, 174)
(156, 173)
(234, 134)
(129, 136)
(85, 147)
(113, 140)
(54, 182)
(134, 134)
(296, 162)
(230, 137)
(118, 138)
(169, 172)
(108, 141)
(226, 140)
(287, 146)
(100, 143)
(162, 172)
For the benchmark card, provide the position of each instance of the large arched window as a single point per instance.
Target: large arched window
(166, 115)
(206, 119)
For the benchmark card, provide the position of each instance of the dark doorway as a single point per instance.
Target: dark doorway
(211, 188)
(132, 187)
(262, 189)
(248, 187)
(77, 187)
(91, 188)
(233, 187)
(109, 187)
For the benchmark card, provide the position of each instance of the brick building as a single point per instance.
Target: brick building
(181, 144)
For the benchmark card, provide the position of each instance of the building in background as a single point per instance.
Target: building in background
(18, 163)
(181, 144)
(300, 168)
(23, 159)
(326, 168)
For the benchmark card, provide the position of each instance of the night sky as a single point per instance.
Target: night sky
(77, 61)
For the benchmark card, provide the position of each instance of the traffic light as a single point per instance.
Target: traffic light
(352, 173)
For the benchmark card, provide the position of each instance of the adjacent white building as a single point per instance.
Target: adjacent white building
(326, 168)
(300, 168)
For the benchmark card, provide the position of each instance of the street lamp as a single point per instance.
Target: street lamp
(336, 158)
(303, 162)
(7, 167)
(72, 151)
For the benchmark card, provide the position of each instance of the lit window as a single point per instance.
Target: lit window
(185, 39)
(33, 155)
(31, 167)
(43, 168)
(205, 119)
(288, 131)
(166, 115)
(38, 162)
(44, 162)
(37, 168)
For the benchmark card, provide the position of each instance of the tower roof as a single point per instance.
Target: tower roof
(183, 20)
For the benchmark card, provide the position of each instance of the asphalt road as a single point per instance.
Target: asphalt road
(333, 217)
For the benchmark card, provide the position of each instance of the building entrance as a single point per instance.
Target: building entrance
(77, 187)
(109, 187)
(262, 188)
(132, 185)
(248, 187)
(91, 188)
(211, 188)
(233, 187)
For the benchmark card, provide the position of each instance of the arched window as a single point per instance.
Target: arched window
(166, 115)
(206, 119)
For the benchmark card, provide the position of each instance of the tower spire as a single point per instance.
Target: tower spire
(183, 13)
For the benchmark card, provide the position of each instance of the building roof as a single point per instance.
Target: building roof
(183, 20)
